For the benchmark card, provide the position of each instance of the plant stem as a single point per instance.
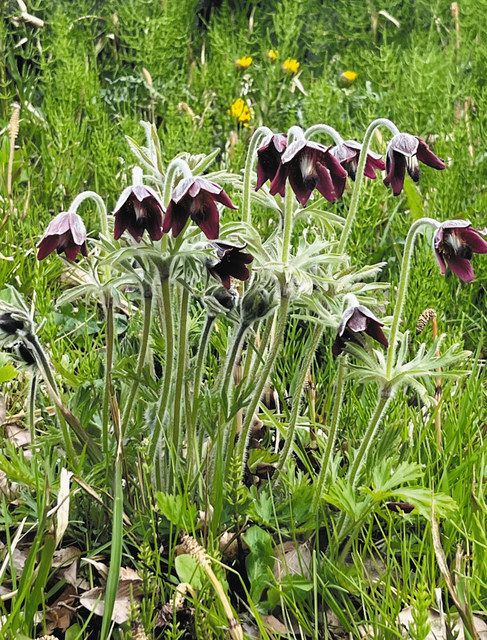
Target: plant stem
(255, 140)
(167, 321)
(110, 343)
(335, 421)
(359, 178)
(264, 375)
(288, 223)
(366, 441)
(117, 538)
(200, 360)
(227, 377)
(102, 210)
(324, 128)
(181, 368)
(32, 407)
(293, 418)
(402, 288)
(144, 343)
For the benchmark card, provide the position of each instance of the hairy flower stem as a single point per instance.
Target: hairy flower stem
(324, 128)
(361, 456)
(293, 418)
(100, 205)
(359, 179)
(167, 321)
(255, 140)
(107, 392)
(232, 359)
(330, 442)
(144, 343)
(200, 361)
(180, 370)
(402, 289)
(32, 407)
(276, 344)
(288, 223)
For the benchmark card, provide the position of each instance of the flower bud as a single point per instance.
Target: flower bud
(219, 300)
(257, 303)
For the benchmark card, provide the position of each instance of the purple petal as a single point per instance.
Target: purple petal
(357, 321)
(405, 144)
(223, 199)
(441, 262)
(122, 220)
(47, 245)
(175, 219)
(293, 149)
(123, 198)
(302, 190)
(181, 189)
(473, 239)
(324, 183)
(426, 156)
(374, 330)
(278, 185)
(209, 222)
(77, 228)
(396, 172)
(338, 346)
(462, 268)
(71, 251)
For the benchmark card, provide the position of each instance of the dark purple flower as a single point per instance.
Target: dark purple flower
(66, 232)
(455, 242)
(309, 165)
(348, 154)
(405, 152)
(138, 209)
(358, 319)
(269, 158)
(233, 263)
(196, 198)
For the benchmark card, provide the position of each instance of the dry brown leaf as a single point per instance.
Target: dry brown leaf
(61, 612)
(127, 592)
(18, 435)
(62, 506)
(438, 626)
(274, 625)
(101, 567)
(292, 559)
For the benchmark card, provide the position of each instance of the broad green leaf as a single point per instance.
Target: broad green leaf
(189, 570)
(177, 510)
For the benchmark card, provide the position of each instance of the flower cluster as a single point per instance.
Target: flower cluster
(240, 110)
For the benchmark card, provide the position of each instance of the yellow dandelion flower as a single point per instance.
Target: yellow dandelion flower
(291, 65)
(244, 62)
(272, 54)
(240, 110)
(349, 76)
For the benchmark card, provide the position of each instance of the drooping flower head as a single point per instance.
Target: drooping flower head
(455, 242)
(138, 209)
(269, 158)
(405, 152)
(66, 232)
(309, 165)
(196, 198)
(355, 320)
(348, 154)
(233, 262)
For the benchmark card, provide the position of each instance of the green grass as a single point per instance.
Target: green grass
(81, 85)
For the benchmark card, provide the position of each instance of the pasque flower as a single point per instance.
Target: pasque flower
(139, 209)
(66, 232)
(455, 242)
(355, 320)
(405, 152)
(347, 153)
(233, 262)
(196, 198)
(269, 158)
(309, 165)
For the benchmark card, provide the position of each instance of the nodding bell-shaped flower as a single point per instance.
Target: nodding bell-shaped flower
(269, 158)
(455, 242)
(355, 320)
(138, 209)
(233, 263)
(405, 152)
(347, 153)
(196, 198)
(308, 166)
(66, 232)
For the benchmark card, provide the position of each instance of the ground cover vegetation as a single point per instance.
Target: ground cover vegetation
(242, 316)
